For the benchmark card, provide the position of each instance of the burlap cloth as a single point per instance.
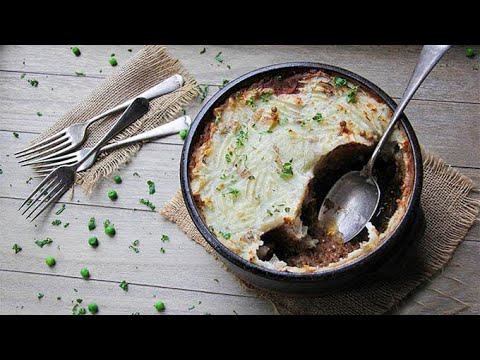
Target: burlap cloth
(145, 69)
(449, 211)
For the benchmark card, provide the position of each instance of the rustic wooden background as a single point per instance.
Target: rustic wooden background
(445, 114)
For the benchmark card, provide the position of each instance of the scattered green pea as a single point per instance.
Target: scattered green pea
(85, 273)
(183, 134)
(50, 261)
(110, 230)
(117, 179)
(76, 51)
(93, 241)
(112, 194)
(469, 52)
(160, 306)
(93, 308)
(82, 311)
(113, 61)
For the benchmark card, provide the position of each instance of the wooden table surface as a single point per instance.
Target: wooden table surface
(444, 112)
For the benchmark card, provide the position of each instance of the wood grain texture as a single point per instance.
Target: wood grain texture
(19, 291)
(445, 117)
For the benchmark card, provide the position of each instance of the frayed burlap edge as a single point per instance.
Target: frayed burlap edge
(450, 211)
(147, 68)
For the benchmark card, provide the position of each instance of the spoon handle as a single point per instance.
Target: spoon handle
(429, 57)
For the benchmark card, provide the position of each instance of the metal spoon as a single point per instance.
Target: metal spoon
(357, 194)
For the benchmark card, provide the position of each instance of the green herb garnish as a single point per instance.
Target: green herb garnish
(164, 238)
(218, 57)
(66, 225)
(224, 83)
(287, 170)
(59, 211)
(124, 285)
(91, 224)
(80, 73)
(338, 81)
(203, 51)
(225, 235)
(266, 95)
(318, 117)
(228, 157)
(56, 222)
(269, 212)
(34, 83)
(16, 248)
(147, 203)
(223, 177)
(15, 134)
(40, 295)
(352, 96)
(39, 113)
(162, 250)
(242, 136)
(151, 187)
(136, 174)
(287, 209)
(232, 191)
(22, 76)
(251, 101)
(134, 246)
(43, 242)
(203, 91)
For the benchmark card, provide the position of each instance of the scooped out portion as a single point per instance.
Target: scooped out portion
(263, 165)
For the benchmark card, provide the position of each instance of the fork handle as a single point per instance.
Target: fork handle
(137, 109)
(170, 128)
(168, 85)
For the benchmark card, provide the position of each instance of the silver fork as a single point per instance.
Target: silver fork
(73, 136)
(45, 165)
(60, 180)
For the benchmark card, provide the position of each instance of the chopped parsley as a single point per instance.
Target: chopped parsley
(251, 177)
(39, 113)
(59, 211)
(151, 187)
(22, 76)
(225, 235)
(251, 101)
(287, 209)
(162, 250)
(16, 248)
(124, 285)
(34, 83)
(40, 295)
(29, 180)
(80, 73)
(338, 81)
(203, 51)
(203, 92)
(269, 212)
(228, 157)
(129, 50)
(232, 191)
(56, 222)
(242, 137)
(287, 170)
(91, 224)
(266, 95)
(43, 242)
(318, 117)
(66, 225)
(164, 238)
(147, 203)
(134, 246)
(352, 96)
(15, 134)
(223, 177)
(136, 174)
(218, 57)
(224, 83)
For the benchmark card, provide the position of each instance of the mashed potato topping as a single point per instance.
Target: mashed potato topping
(251, 171)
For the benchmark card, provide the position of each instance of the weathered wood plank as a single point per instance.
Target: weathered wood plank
(439, 125)
(454, 79)
(18, 295)
(455, 290)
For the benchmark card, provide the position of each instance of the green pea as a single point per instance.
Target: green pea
(183, 134)
(50, 261)
(469, 52)
(112, 194)
(160, 306)
(85, 273)
(76, 51)
(82, 311)
(117, 179)
(93, 308)
(113, 61)
(110, 230)
(93, 241)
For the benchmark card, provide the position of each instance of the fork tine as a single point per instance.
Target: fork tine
(44, 148)
(40, 193)
(50, 138)
(49, 159)
(54, 165)
(59, 149)
(54, 198)
(43, 182)
(45, 197)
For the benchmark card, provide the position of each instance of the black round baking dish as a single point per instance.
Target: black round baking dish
(381, 262)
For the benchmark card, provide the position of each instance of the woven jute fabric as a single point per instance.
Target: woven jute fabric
(145, 69)
(449, 212)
